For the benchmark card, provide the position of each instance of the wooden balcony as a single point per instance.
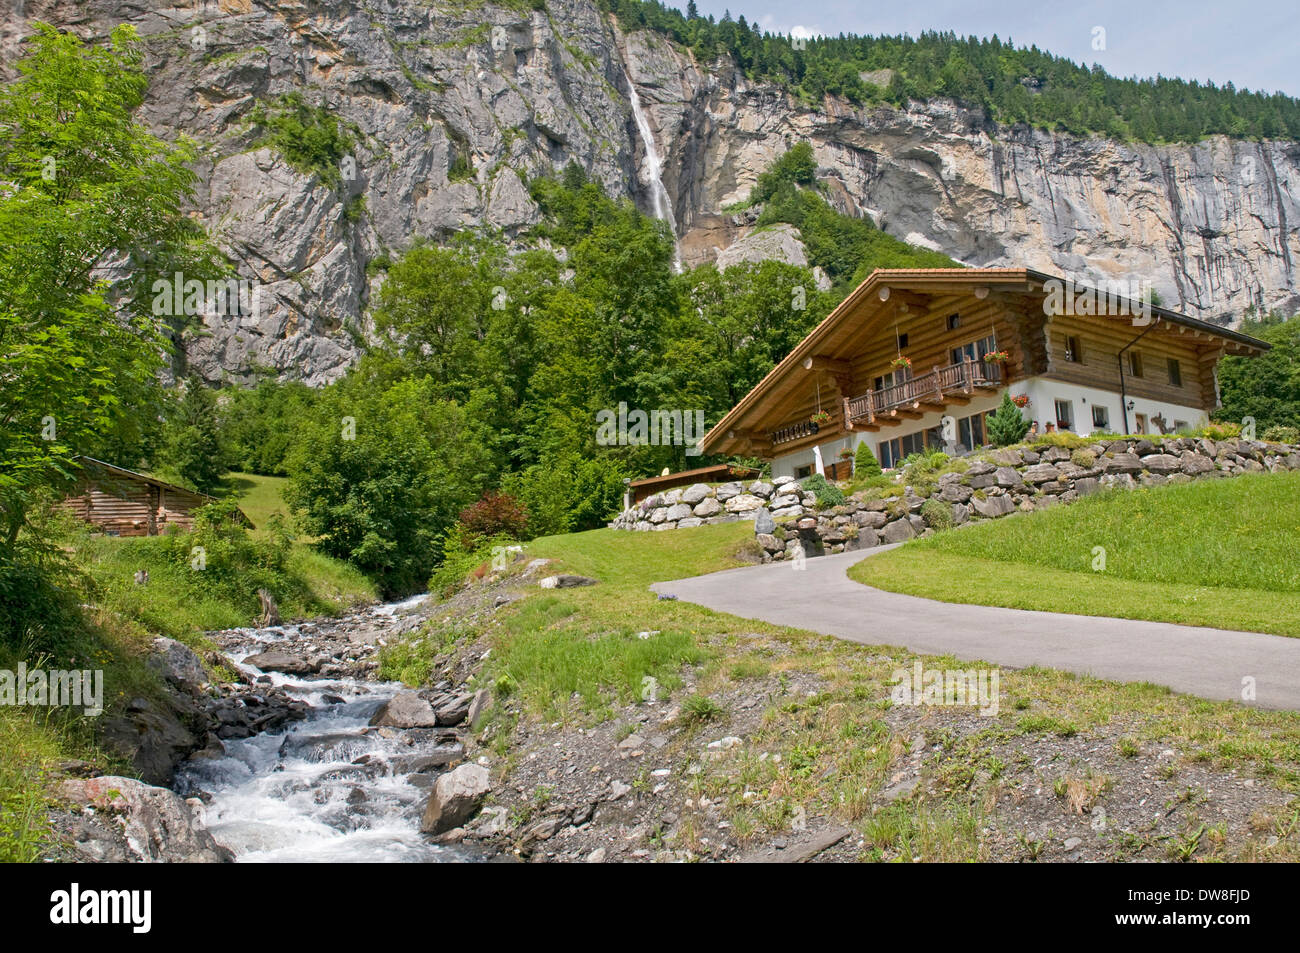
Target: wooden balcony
(911, 399)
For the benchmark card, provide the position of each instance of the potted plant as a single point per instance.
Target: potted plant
(901, 361)
(821, 418)
(846, 453)
(1020, 400)
(997, 357)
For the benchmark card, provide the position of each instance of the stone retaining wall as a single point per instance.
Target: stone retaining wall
(998, 483)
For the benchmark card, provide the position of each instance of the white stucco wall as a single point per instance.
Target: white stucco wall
(1043, 393)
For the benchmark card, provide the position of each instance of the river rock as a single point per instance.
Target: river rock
(456, 797)
(282, 662)
(137, 823)
(405, 710)
(178, 664)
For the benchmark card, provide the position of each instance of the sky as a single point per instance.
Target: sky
(1251, 43)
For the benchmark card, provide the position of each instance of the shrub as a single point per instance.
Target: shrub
(1006, 425)
(309, 137)
(865, 464)
(1083, 458)
(495, 514)
(1220, 431)
(463, 556)
(937, 514)
(1280, 433)
(821, 488)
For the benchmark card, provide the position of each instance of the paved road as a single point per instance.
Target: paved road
(1206, 662)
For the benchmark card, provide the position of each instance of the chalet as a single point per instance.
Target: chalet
(125, 503)
(916, 358)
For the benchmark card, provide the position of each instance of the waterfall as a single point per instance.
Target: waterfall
(660, 202)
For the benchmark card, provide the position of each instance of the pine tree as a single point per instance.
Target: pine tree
(1006, 425)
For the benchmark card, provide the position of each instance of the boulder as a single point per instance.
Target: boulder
(455, 710)
(1161, 463)
(769, 542)
(1122, 463)
(1193, 463)
(743, 503)
(137, 823)
(762, 489)
(993, 506)
(678, 511)
(405, 710)
(727, 491)
(707, 507)
(566, 581)
(696, 492)
(178, 664)
(282, 662)
(455, 798)
(898, 531)
(955, 493)
(689, 521)
(1041, 473)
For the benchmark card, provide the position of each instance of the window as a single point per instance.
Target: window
(902, 341)
(1073, 353)
(1175, 372)
(970, 431)
(954, 322)
(801, 472)
(1134, 364)
(893, 452)
(1181, 426)
(1100, 417)
(1064, 415)
(896, 376)
(975, 350)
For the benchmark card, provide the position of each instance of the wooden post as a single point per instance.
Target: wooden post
(966, 374)
(938, 384)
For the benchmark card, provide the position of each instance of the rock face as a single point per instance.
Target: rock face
(507, 93)
(456, 797)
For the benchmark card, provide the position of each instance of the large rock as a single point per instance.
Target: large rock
(1122, 463)
(743, 503)
(1161, 463)
(993, 506)
(405, 710)
(763, 522)
(456, 797)
(707, 507)
(178, 664)
(898, 531)
(283, 662)
(136, 823)
(678, 511)
(695, 492)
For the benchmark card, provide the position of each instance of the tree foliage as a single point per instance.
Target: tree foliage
(1265, 387)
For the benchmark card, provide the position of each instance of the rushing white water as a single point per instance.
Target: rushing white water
(329, 789)
(659, 200)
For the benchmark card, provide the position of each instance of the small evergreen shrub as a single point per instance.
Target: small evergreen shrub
(1006, 425)
(1280, 433)
(865, 464)
(823, 490)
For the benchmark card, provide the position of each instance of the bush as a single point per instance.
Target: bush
(1280, 433)
(1083, 458)
(309, 137)
(937, 514)
(1006, 425)
(1220, 431)
(865, 464)
(821, 488)
(495, 514)
(464, 557)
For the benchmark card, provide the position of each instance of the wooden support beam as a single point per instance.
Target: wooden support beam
(820, 362)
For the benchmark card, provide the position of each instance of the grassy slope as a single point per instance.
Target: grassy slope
(259, 496)
(573, 655)
(1216, 552)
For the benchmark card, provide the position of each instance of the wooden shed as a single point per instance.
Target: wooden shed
(122, 502)
(719, 473)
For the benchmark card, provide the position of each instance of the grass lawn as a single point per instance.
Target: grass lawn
(259, 497)
(1218, 553)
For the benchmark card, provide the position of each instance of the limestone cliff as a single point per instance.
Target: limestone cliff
(455, 104)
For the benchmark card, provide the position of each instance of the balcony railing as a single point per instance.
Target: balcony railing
(803, 428)
(931, 388)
